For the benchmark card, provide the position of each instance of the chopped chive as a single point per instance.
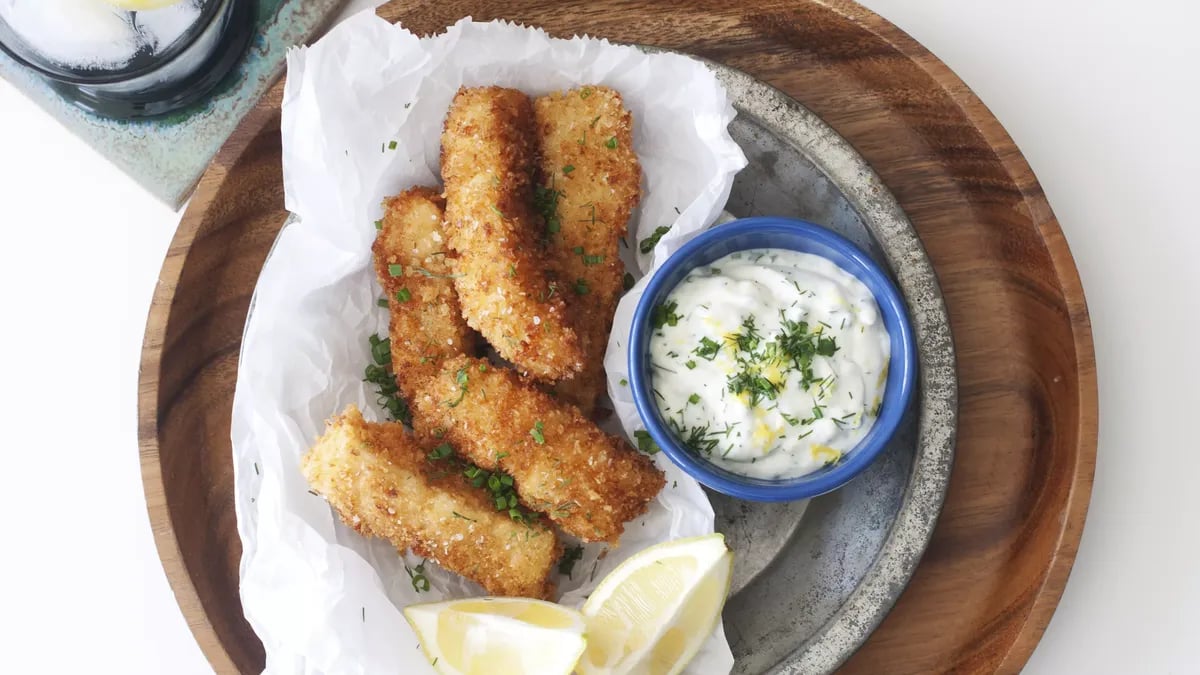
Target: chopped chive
(611, 143)
(536, 433)
(645, 443)
(461, 379)
(570, 556)
(379, 224)
(392, 145)
(694, 399)
(647, 245)
(568, 169)
(396, 270)
(382, 302)
(581, 287)
(628, 281)
(403, 295)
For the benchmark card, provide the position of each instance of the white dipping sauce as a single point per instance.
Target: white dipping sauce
(769, 363)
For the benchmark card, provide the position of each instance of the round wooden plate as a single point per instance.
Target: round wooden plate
(1008, 533)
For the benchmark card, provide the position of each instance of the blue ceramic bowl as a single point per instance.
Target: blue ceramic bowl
(795, 235)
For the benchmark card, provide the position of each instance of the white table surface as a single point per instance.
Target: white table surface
(1103, 98)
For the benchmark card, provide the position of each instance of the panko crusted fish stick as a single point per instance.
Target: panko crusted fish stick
(591, 182)
(562, 464)
(488, 156)
(416, 274)
(379, 481)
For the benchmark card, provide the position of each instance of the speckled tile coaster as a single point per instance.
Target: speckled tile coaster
(167, 155)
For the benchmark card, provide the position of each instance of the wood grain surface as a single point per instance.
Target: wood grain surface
(1001, 553)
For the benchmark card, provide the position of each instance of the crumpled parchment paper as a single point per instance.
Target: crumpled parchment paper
(362, 117)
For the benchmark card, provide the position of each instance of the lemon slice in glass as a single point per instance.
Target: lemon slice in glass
(653, 612)
(484, 636)
(141, 5)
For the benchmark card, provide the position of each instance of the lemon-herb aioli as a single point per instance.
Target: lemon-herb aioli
(768, 362)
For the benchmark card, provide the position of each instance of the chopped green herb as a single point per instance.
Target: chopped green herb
(568, 169)
(647, 245)
(628, 281)
(381, 350)
(691, 365)
(380, 375)
(382, 302)
(461, 379)
(594, 120)
(536, 433)
(417, 576)
(497, 211)
(570, 556)
(512, 270)
(581, 287)
(698, 439)
(442, 451)
(611, 143)
(624, 382)
(664, 315)
(396, 270)
(694, 399)
(708, 348)
(392, 145)
(379, 224)
(645, 443)
(585, 92)
(593, 259)
(403, 295)
(459, 515)
(545, 202)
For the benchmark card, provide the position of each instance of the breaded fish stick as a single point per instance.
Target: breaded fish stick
(562, 464)
(591, 183)
(488, 158)
(417, 277)
(378, 480)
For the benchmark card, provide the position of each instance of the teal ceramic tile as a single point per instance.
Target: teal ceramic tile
(167, 155)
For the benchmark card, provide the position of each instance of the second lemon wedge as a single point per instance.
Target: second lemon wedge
(653, 612)
(484, 636)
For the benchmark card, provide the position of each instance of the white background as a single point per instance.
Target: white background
(1103, 99)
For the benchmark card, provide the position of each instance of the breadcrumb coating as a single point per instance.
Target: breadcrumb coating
(380, 482)
(415, 269)
(586, 481)
(591, 180)
(488, 158)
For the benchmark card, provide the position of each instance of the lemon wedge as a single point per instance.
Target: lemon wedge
(651, 614)
(141, 5)
(485, 636)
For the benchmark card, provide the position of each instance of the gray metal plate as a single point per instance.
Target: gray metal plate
(813, 579)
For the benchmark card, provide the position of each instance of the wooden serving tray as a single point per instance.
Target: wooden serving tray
(999, 558)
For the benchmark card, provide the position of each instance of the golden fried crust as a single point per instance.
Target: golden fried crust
(428, 325)
(487, 165)
(378, 480)
(587, 159)
(562, 464)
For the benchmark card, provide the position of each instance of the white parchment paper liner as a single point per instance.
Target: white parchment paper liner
(322, 598)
